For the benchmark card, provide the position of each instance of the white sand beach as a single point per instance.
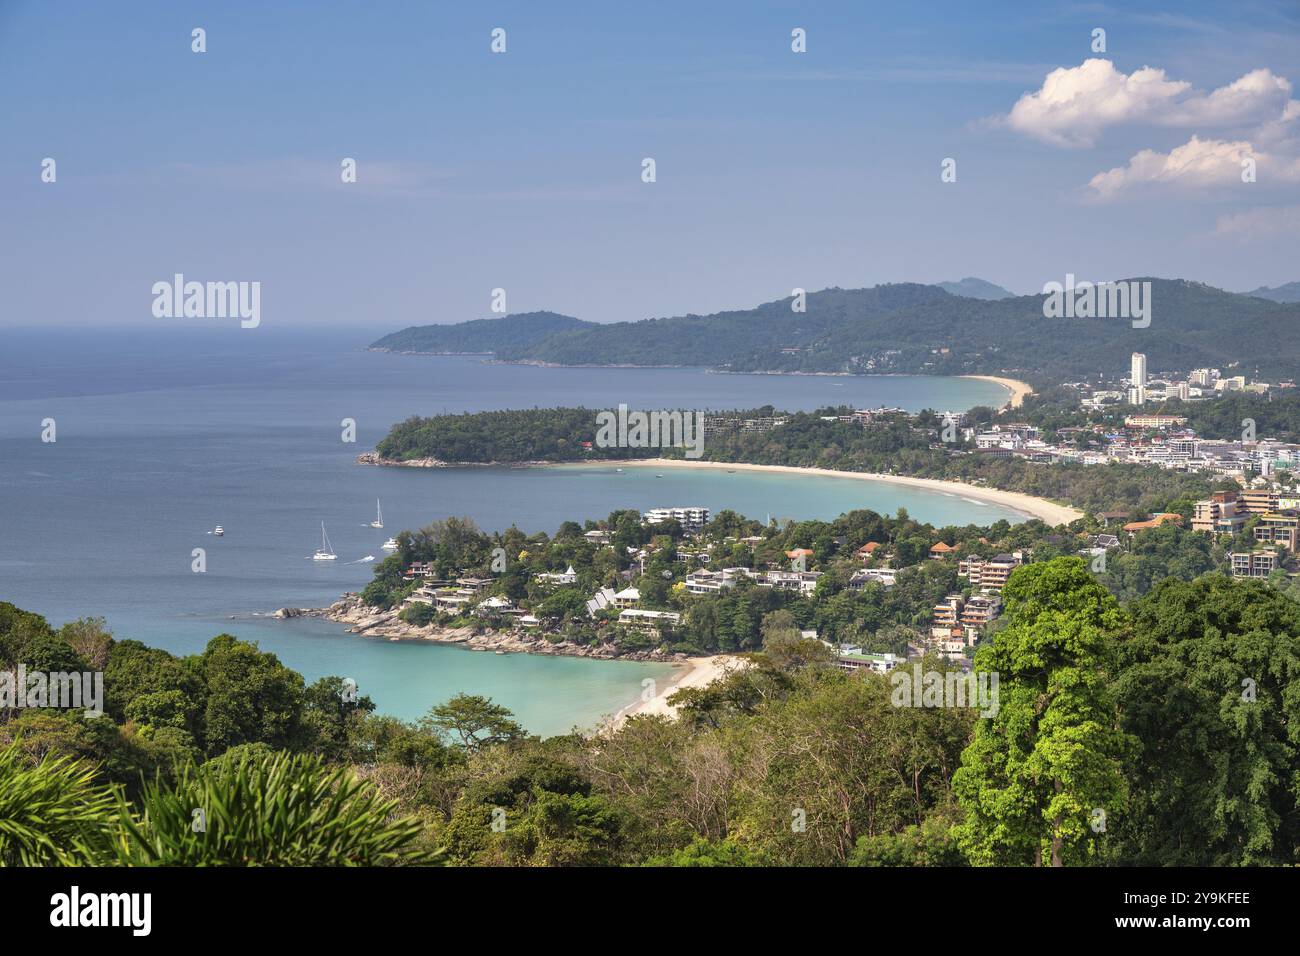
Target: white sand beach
(696, 672)
(1019, 389)
(1048, 511)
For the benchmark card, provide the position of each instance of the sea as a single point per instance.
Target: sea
(161, 434)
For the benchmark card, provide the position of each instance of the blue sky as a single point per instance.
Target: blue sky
(522, 170)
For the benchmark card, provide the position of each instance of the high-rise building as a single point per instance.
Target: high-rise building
(1138, 380)
(1138, 375)
(1137, 393)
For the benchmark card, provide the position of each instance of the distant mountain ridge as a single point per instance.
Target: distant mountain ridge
(1283, 293)
(973, 288)
(905, 328)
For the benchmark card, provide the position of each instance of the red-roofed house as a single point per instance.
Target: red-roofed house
(1154, 521)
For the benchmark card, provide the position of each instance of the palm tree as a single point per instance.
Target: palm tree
(266, 809)
(52, 812)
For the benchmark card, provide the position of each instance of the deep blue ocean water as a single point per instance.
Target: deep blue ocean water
(163, 434)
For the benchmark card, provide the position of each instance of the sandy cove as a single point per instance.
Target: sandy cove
(694, 672)
(1019, 390)
(1048, 511)
(373, 622)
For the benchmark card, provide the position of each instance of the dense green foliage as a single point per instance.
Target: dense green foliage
(1274, 416)
(896, 444)
(262, 809)
(1158, 732)
(505, 436)
(1210, 687)
(1038, 770)
(481, 335)
(52, 812)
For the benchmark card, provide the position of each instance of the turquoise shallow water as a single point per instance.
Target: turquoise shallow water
(160, 437)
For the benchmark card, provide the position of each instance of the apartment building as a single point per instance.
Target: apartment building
(691, 519)
(945, 618)
(981, 610)
(805, 582)
(990, 574)
(1253, 564)
(1258, 501)
(1279, 527)
(648, 622)
(1154, 421)
(1221, 513)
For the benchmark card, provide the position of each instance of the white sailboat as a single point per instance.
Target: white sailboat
(324, 552)
(379, 516)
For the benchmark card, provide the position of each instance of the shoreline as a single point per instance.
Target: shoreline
(1019, 390)
(694, 672)
(364, 621)
(1048, 511)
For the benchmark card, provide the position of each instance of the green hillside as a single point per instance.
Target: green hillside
(481, 335)
(911, 328)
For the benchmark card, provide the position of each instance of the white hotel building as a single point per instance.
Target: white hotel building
(1137, 393)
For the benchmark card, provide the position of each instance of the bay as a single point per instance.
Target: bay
(164, 433)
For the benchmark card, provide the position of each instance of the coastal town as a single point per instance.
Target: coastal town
(875, 592)
(610, 590)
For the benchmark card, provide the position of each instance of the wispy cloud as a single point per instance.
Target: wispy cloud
(1264, 223)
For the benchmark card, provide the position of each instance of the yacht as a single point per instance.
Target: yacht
(324, 552)
(379, 516)
(390, 544)
(218, 531)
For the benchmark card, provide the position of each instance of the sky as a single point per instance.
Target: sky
(522, 170)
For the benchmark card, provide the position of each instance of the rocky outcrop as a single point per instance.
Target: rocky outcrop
(374, 458)
(369, 621)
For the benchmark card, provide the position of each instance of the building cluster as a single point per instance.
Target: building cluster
(716, 424)
(1275, 521)
(1147, 439)
(704, 581)
(1140, 388)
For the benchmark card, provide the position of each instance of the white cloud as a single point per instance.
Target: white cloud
(1197, 164)
(1264, 223)
(1075, 104)
(1257, 97)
